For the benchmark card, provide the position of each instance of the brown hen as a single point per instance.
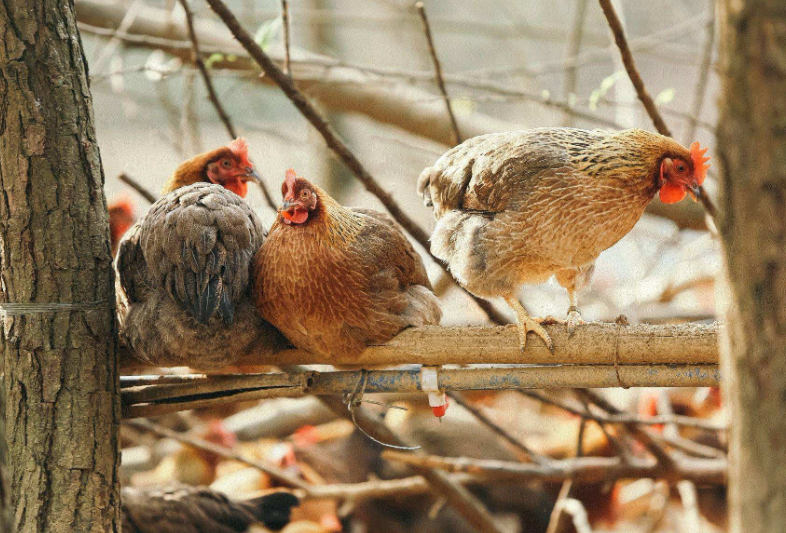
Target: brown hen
(183, 269)
(518, 207)
(334, 279)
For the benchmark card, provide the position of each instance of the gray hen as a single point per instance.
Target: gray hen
(183, 281)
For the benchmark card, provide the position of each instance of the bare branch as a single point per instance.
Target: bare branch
(213, 95)
(574, 46)
(630, 67)
(458, 496)
(623, 418)
(143, 191)
(641, 90)
(643, 435)
(285, 27)
(271, 470)
(438, 71)
(200, 64)
(499, 430)
(704, 76)
(331, 137)
(585, 469)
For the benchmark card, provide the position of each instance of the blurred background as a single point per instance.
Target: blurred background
(366, 64)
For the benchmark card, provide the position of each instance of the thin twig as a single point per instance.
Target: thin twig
(559, 506)
(213, 95)
(456, 494)
(643, 435)
(641, 90)
(574, 46)
(200, 64)
(704, 76)
(630, 67)
(143, 191)
(493, 426)
(438, 72)
(332, 139)
(379, 488)
(271, 470)
(577, 409)
(285, 27)
(189, 115)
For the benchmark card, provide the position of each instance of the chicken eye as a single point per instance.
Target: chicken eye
(226, 163)
(680, 167)
(304, 194)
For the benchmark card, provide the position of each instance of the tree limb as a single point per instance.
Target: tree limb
(585, 469)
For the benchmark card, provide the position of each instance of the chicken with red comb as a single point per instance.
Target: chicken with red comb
(183, 269)
(334, 279)
(518, 207)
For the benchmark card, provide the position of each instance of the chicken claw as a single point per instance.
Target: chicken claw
(574, 319)
(526, 323)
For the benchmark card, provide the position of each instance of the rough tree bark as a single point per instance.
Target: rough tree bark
(5, 512)
(60, 367)
(752, 153)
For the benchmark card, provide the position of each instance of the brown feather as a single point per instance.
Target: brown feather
(194, 170)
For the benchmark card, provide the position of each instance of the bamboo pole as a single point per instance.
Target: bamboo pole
(156, 398)
(592, 344)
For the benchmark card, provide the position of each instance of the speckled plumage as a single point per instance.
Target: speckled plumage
(517, 207)
(183, 281)
(345, 279)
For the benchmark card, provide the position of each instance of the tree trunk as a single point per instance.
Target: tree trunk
(5, 510)
(752, 154)
(62, 404)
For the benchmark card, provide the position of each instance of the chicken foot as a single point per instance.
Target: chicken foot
(574, 315)
(526, 323)
(574, 280)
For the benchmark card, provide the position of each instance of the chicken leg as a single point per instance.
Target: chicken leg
(574, 280)
(526, 323)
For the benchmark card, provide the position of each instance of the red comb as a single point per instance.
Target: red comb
(122, 203)
(699, 161)
(239, 147)
(290, 177)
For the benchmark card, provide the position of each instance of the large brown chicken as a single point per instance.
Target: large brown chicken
(183, 269)
(518, 207)
(334, 279)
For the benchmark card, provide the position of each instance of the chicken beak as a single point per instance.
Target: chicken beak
(253, 175)
(694, 191)
(287, 205)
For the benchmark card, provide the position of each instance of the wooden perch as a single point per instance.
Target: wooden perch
(204, 391)
(593, 344)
